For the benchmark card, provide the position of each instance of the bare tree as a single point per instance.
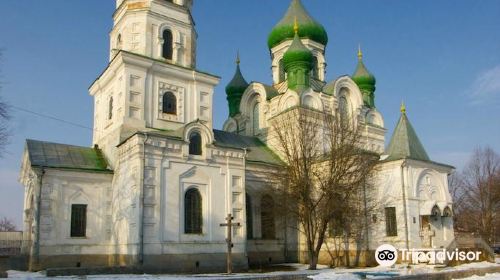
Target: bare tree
(325, 167)
(348, 231)
(7, 225)
(477, 195)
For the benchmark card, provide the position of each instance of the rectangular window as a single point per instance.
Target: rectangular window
(78, 220)
(391, 227)
(336, 225)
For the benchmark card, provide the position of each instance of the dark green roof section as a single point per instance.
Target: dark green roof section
(308, 27)
(405, 143)
(257, 151)
(365, 81)
(54, 155)
(362, 72)
(238, 84)
(235, 90)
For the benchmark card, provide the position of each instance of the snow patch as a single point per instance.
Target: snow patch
(493, 276)
(334, 276)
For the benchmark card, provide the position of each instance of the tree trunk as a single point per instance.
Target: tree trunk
(313, 261)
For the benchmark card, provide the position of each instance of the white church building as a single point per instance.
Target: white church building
(159, 178)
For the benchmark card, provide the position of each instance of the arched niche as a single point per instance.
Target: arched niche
(311, 101)
(253, 108)
(254, 91)
(429, 187)
(447, 212)
(344, 86)
(206, 139)
(374, 117)
(231, 125)
(288, 100)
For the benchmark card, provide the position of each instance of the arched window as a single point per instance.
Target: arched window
(110, 108)
(315, 68)
(192, 212)
(248, 206)
(281, 70)
(391, 226)
(309, 102)
(267, 217)
(119, 41)
(195, 144)
(435, 213)
(344, 107)
(169, 103)
(168, 47)
(447, 212)
(256, 118)
(336, 225)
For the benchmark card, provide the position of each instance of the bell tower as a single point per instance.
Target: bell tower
(160, 29)
(151, 82)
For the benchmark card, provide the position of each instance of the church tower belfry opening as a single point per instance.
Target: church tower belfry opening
(160, 29)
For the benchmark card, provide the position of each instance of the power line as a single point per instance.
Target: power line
(51, 117)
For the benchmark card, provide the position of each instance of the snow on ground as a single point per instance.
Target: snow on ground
(399, 269)
(334, 276)
(322, 273)
(472, 265)
(494, 276)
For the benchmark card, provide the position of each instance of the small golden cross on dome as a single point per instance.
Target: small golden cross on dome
(403, 107)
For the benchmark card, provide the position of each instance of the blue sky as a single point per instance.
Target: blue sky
(441, 57)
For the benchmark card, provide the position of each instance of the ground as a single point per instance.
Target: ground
(323, 273)
(494, 276)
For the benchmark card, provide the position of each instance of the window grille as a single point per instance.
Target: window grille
(192, 212)
(78, 220)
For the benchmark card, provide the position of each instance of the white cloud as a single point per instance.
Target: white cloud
(486, 86)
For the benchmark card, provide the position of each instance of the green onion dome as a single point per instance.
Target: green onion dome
(235, 90)
(365, 81)
(238, 84)
(298, 53)
(308, 27)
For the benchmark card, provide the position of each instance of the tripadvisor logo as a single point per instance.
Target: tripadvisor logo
(386, 255)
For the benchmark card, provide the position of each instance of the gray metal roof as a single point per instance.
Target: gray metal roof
(256, 150)
(54, 155)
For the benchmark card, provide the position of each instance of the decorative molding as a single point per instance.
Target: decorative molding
(179, 93)
(189, 173)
